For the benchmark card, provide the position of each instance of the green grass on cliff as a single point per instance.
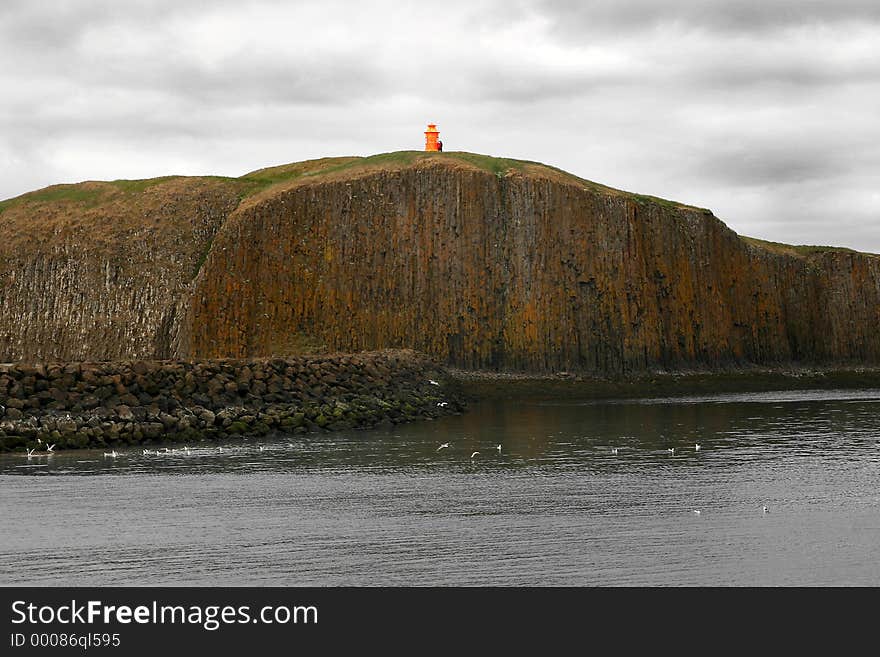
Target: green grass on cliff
(92, 193)
(498, 166)
(800, 249)
(5, 204)
(57, 193)
(645, 199)
(265, 178)
(138, 186)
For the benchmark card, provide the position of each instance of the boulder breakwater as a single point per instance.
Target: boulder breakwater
(118, 403)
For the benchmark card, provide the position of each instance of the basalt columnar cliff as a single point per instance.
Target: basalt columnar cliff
(480, 262)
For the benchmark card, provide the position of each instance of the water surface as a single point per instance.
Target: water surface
(555, 506)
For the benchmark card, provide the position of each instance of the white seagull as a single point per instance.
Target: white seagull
(614, 450)
(766, 510)
(696, 512)
(442, 404)
(697, 447)
(443, 446)
(671, 450)
(30, 453)
(112, 454)
(474, 454)
(498, 447)
(433, 382)
(50, 448)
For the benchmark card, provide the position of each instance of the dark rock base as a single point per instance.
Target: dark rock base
(89, 405)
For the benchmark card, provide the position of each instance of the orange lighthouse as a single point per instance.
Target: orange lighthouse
(432, 138)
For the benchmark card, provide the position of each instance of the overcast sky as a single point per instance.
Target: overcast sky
(766, 112)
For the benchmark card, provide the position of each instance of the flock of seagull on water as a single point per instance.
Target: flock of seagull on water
(50, 449)
(186, 450)
(615, 451)
(473, 455)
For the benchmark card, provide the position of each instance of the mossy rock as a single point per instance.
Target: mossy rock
(76, 441)
(12, 442)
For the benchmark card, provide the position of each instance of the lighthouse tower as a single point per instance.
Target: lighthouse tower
(432, 138)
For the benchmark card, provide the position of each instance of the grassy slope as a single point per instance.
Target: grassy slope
(317, 169)
(91, 194)
(799, 249)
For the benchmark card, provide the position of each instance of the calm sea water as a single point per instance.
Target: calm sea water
(555, 507)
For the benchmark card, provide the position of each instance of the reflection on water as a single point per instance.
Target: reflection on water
(556, 506)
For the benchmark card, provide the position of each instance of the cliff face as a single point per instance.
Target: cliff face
(481, 263)
(95, 271)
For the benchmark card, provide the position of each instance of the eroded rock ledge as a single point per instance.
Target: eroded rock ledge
(116, 403)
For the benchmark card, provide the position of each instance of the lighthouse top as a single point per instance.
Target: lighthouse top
(432, 138)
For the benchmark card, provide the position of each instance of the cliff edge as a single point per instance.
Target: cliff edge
(481, 262)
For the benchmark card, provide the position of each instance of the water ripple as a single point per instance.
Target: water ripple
(557, 506)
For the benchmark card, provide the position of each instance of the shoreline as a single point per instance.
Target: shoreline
(147, 403)
(110, 404)
(477, 385)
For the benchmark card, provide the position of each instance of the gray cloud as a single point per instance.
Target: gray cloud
(745, 165)
(578, 16)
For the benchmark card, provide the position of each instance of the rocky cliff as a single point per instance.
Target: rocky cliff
(480, 262)
(95, 271)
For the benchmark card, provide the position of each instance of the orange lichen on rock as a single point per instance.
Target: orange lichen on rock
(518, 268)
(522, 273)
